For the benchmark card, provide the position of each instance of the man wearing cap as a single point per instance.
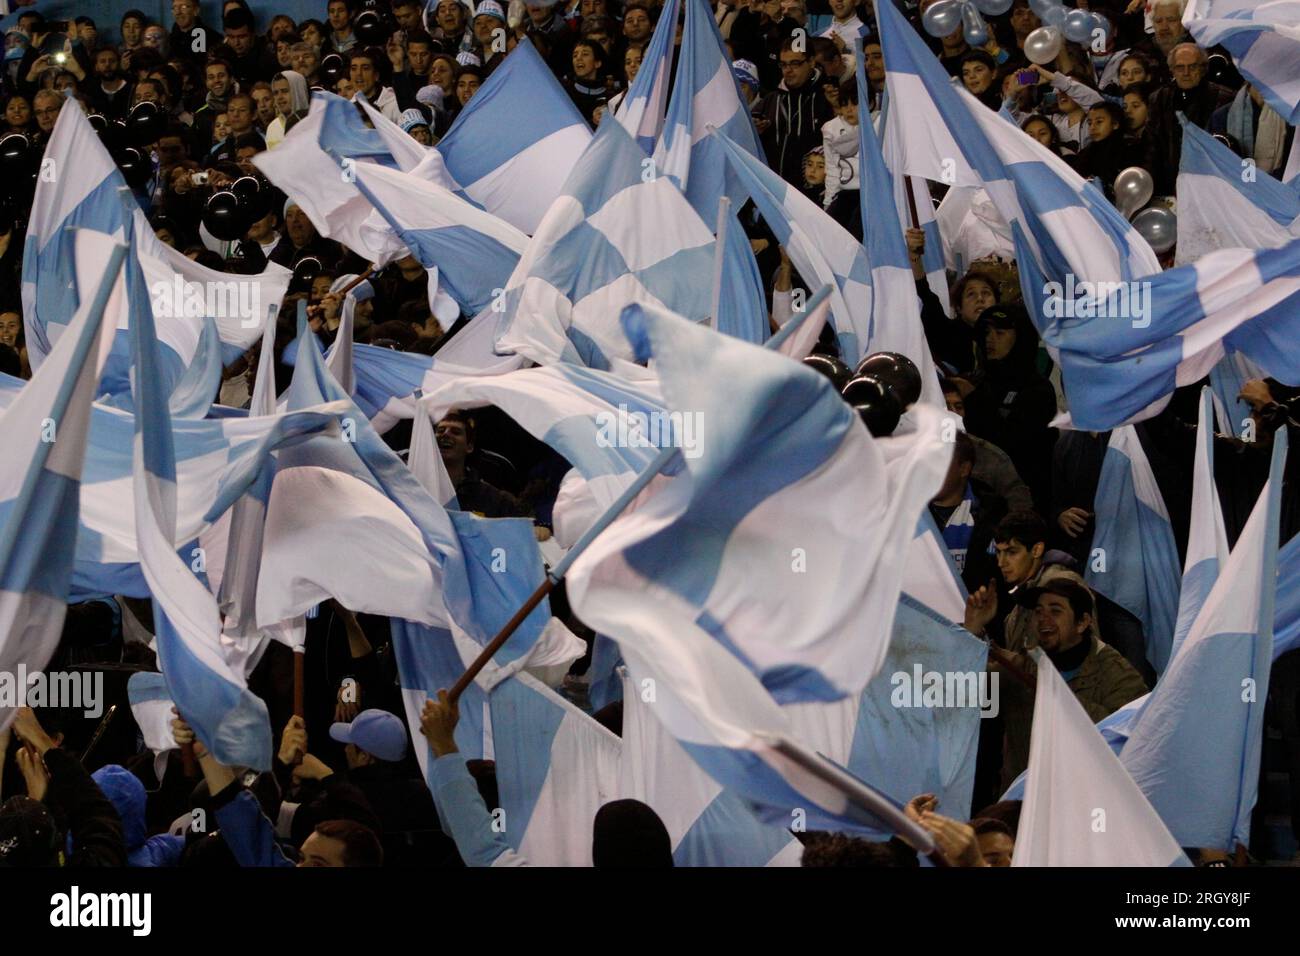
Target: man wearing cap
(300, 240)
(453, 26)
(416, 125)
(375, 745)
(746, 74)
(489, 18)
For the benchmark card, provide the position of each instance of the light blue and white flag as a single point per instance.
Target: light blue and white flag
(406, 152)
(1223, 205)
(44, 431)
(1081, 806)
(642, 111)
(387, 383)
(1194, 748)
(707, 824)
(212, 697)
(742, 302)
(511, 148)
(819, 247)
(151, 706)
(895, 308)
(1135, 561)
(473, 251)
(1207, 538)
(1227, 378)
(81, 187)
(705, 94)
(1264, 40)
(306, 173)
(1286, 622)
(771, 450)
(619, 233)
(343, 133)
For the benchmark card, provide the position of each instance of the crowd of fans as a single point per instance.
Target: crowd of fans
(1017, 509)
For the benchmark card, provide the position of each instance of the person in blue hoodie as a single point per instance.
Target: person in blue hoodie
(125, 791)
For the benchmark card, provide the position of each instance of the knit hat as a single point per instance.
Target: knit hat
(466, 58)
(490, 8)
(431, 96)
(412, 118)
(745, 72)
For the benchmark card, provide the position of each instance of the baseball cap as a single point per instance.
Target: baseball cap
(1077, 594)
(377, 732)
(490, 8)
(745, 72)
(1003, 317)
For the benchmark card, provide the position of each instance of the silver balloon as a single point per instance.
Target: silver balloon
(1043, 45)
(1157, 226)
(994, 8)
(1054, 17)
(1077, 26)
(1133, 190)
(1040, 7)
(976, 30)
(942, 18)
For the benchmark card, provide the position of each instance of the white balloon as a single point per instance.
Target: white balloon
(1043, 45)
(1133, 190)
(1159, 227)
(942, 18)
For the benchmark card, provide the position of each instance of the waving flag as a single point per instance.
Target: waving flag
(388, 383)
(742, 302)
(821, 249)
(151, 706)
(44, 432)
(1286, 626)
(512, 146)
(1194, 749)
(1222, 206)
(1264, 40)
(214, 699)
(198, 387)
(607, 428)
(343, 133)
(784, 440)
(1207, 540)
(473, 251)
(642, 111)
(306, 173)
(1081, 806)
(895, 309)
(80, 187)
(619, 233)
(708, 825)
(1227, 378)
(1137, 567)
(705, 94)
(407, 154)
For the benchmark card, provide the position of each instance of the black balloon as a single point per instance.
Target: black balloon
(224, 217)
(898, 373)
(831, 367)
(875, 402)
(15, 153)
(331, 68)
(305, 272)
(372, 28)
(135, 165)
(146, 124)
(97, 122)
(253, 196)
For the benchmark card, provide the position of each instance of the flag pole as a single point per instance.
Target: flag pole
(557, 573)
(719, 259)
(370, 270)
(299, 680)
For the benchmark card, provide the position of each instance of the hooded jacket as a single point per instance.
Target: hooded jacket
(299, 104)
(125, 791)
(795, 119)
(840, 148)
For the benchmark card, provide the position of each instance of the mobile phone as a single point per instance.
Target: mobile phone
(1027, 77)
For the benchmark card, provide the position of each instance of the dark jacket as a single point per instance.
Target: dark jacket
(795, 119)
(1198, 105)
(83, 812)
(184, 43)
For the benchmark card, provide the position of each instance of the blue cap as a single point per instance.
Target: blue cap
(412, 118)
(377, 732)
